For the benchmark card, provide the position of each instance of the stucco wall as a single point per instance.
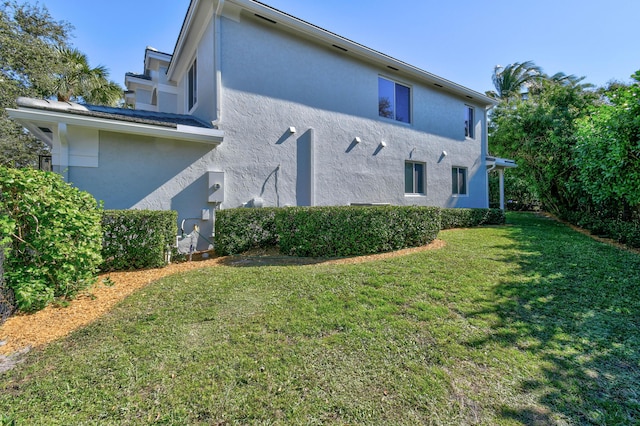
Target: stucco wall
(272, 81)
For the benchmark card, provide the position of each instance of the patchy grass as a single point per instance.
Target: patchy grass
(531, 323)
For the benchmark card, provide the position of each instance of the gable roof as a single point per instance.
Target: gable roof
(289, 23)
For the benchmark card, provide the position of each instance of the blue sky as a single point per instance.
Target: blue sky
(460, 40)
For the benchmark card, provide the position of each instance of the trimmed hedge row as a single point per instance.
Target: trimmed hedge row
(137, 239)
(623, 231)
(351, 231)
(239, 230)
(469, 218)
(342, 230)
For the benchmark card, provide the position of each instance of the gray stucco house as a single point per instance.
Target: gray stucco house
(258, 108)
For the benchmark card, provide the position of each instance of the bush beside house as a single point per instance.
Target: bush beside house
(55, 251)
(137, 239)
(342, 230)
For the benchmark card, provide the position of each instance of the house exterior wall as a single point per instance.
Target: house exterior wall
(273, 81)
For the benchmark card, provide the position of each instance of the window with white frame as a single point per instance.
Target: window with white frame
(414, 178)
(192, 85)
(469, 122)
(459, 181)
(394, 100)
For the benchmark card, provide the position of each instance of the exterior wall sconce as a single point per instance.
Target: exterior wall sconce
(357, 140)
(383, 144)
(292, 130)
(444, 153)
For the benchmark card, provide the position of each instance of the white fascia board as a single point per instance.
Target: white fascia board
(500, 162)
(129, 79)
(362, 52)
(181, 132)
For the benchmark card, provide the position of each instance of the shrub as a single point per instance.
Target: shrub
(239, 230)
(469, 218)
(351, 231)
(137, 239)
(7, 300)
(55, 247)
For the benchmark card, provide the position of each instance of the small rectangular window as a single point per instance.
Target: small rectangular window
(459, 181)
(394, 100)
(414, 178)
(192, 83)
(469, 122)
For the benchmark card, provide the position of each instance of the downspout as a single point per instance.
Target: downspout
(312, 168)
(217, 59)
(486, 146)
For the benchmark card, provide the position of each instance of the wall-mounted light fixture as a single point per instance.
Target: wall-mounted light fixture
(292, 130)
(444, 153)
(357, 140)
(383, 144)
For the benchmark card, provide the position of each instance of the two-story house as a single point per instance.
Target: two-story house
(255, 107)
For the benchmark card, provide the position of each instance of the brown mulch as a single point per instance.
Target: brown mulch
(23, 331)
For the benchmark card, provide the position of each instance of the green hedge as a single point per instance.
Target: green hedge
(469, 218)
(326, 231)
(353, 231)
(137, 239)
(239, 230)
(623, 231)
(55, 245)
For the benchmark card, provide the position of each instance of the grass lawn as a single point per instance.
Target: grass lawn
(530, 323)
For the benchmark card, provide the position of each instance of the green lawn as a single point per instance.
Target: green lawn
(529, 323)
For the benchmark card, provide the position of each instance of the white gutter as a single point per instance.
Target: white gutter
(180, 132)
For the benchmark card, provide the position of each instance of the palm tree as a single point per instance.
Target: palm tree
(509, 81)
(77, 81)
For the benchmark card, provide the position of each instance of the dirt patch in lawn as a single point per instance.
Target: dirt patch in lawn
(22, 332)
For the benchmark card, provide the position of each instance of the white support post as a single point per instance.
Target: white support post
(501, 174)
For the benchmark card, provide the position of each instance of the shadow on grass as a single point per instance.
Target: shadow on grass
(577, 309)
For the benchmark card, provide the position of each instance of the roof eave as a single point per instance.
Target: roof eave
(28, 116)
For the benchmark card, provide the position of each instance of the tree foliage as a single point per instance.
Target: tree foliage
(539, 133)
(37, 61)
(607, 153)
(28, 40)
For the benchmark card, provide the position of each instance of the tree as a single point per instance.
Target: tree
(76, 80)
(510, 81)
(28, 38)
(539, 132)
(36, 61)
(607, 154)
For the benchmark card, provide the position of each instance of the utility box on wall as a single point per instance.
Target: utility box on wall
(216, 187)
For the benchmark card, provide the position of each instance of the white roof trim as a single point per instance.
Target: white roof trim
(27, 116)
(355, 49)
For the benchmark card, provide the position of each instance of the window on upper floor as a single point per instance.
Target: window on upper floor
(414, 178)
(394, 100)
(192, 85)
(469, 122)
(459, 181)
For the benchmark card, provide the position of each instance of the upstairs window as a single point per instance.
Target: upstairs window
(394, 100)
(469, 122)
(414, 178)
(459, 181)
(192, 85)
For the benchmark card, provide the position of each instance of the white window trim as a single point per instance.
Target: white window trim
(188, 89)
(472, 125)
(407, 85)
(424, 179)
(467, 182)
